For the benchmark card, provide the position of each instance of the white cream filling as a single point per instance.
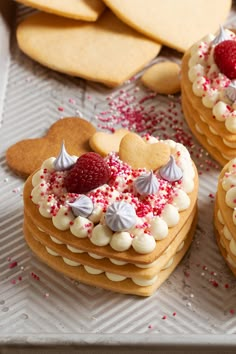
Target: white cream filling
(111, 276)
(54, 239)
(70, 262)
(73, 249)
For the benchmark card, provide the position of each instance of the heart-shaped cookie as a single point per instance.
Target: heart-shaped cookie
(177, 24)
(106, 51)
(140, 154)
(27, 155)
(104, 143)
(86, 10)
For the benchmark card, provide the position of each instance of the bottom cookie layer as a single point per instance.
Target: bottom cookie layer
(125, 286)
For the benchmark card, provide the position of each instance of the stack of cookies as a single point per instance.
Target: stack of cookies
(121, 222)
(82, 38)
(209, 93)
(225, 214)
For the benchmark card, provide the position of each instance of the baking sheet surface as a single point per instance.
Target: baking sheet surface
(39, 305)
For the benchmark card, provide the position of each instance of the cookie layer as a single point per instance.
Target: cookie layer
(127, 286)
(224, 213)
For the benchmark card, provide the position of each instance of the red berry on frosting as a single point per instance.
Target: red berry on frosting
(225, 58)
(89, 172)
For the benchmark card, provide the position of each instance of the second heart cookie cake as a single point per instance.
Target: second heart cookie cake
(225, 214)
(209, 93)
(108, 224)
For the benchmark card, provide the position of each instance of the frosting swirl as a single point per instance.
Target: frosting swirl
(120, 216)
(171, 172)
(146, 184)
(230, 91)
(64, 161)
(82, 206)
(222, 36)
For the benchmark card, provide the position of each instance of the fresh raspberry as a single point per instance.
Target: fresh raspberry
(225, 58)
(90, 171)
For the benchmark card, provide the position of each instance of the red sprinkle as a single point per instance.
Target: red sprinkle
(214, 283)
(12, 265)
(35, 276)
(61, 109)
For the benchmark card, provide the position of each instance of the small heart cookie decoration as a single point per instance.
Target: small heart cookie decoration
(27, 155)
(104, 143)
(140, 154)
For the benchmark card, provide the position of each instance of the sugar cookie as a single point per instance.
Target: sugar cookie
(107, 51)
(138, 153)
(104, 143)
(86, 10)
(26, 156)
(163, 78)
(177, 24)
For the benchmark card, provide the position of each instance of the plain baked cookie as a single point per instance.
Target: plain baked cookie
(177, 24)
(106, 51)
(86, 10)
(27, 155)
(163, 78)
(106, 224)
(104, 143)
(209, 92)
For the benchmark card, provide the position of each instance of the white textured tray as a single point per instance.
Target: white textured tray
(198, 300)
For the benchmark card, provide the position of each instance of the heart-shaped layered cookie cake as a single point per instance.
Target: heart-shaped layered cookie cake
(225, 214)
(209, 93)
(106, 223)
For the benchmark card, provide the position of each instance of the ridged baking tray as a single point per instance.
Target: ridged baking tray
(196, 306)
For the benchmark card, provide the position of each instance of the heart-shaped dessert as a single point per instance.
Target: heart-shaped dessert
(208, 93)
(27, 155)
(104, 143)
(128, 229)
(140, 154)
(225, 214)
